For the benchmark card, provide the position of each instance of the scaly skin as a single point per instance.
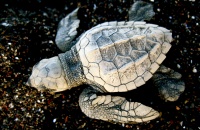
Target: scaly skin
(114, 108)
(48, 74)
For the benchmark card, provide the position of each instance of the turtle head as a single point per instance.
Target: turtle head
(48, 75)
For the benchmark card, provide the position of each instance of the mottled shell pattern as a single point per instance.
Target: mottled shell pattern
(123, 55)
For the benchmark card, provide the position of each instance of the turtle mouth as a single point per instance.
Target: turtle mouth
(28, 83)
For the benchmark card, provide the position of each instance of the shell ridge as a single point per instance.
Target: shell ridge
(99, 65)
(116, 65)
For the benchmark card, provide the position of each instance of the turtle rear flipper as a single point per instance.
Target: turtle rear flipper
(67, 31)
(140, 11)
(169, 83)
(114, 108)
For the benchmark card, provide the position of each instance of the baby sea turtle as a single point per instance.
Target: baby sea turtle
(111, 57)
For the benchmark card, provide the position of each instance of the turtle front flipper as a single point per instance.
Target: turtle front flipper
(140, 11)
(67, 31)
(169, 83)
(114, 108)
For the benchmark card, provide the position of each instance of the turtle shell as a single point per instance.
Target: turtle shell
(123, 55)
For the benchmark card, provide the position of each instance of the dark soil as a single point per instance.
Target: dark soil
(28, 29)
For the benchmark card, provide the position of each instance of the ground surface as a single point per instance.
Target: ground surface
(28, 29)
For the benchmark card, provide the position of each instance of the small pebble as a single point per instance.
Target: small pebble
(66, 8)
(28, 115)
(178, 66)
(51, 41)
(23, 109)
(194, 70)
(45, 14)
(16, 119)
(177, 108)
(39, 110)
(11, 105)
(54, 120)
(181, 123)
(193, 17)
(5, 24)
(95, 7)
(16, 97)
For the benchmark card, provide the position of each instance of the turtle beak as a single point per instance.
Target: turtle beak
(28, 83)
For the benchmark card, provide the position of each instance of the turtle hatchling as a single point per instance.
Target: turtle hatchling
(111, 57)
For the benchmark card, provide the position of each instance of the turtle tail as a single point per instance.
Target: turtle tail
(141, 11)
